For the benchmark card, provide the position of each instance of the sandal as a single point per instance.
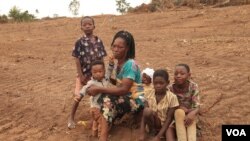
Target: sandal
(86, 124)
(82, 122)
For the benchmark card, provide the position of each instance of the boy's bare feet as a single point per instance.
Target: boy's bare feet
(71, 124)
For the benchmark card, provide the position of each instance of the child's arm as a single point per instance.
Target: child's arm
(193, 112)
(120, 90)
(83, 91)
(190, 117)
(79, 71)
(173, 105)
(170, 118)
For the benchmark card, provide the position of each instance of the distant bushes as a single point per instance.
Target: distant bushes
(155, 5)
(162, 5)
(19, 16)
(16, 15)
(3, 19)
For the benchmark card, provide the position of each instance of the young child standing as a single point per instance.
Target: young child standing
(159, 108)
(87, 49)
(147, 79)
(188, 96)
(98, 79)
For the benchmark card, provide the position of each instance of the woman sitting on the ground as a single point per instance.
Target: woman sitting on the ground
(123, 98)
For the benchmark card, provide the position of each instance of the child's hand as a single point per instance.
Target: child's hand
(83, 79)
(189, 119)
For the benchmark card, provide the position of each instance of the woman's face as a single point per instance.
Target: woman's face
(119, 48)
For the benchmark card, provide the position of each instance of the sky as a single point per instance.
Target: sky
(60, 7)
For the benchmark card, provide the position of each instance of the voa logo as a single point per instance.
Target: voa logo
(236, 132)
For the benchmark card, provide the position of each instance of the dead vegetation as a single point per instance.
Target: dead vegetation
(163, 5)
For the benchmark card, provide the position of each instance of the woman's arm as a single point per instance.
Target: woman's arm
(113, 81)
(122, 89)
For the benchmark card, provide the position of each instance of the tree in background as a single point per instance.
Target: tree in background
(3, 19)
(14, 13)
(74, 6)
(55, 15)
(37, 11)
(19, 16)
(122, 5)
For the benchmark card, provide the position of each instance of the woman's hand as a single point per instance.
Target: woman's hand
(93, 90)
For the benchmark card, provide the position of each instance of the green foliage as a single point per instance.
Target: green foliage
(19, 16)
(3, 19)
(122, 5)
(74, 6)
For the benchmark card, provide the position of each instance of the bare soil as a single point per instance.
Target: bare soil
(38, 72)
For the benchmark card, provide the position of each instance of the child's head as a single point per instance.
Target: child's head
(87, 25)
(160, 81)
(181, 74)
(98, 70)
(147, 76)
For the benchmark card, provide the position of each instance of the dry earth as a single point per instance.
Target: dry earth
(38, 73)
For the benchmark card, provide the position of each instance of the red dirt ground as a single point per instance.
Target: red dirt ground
(38, 73)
